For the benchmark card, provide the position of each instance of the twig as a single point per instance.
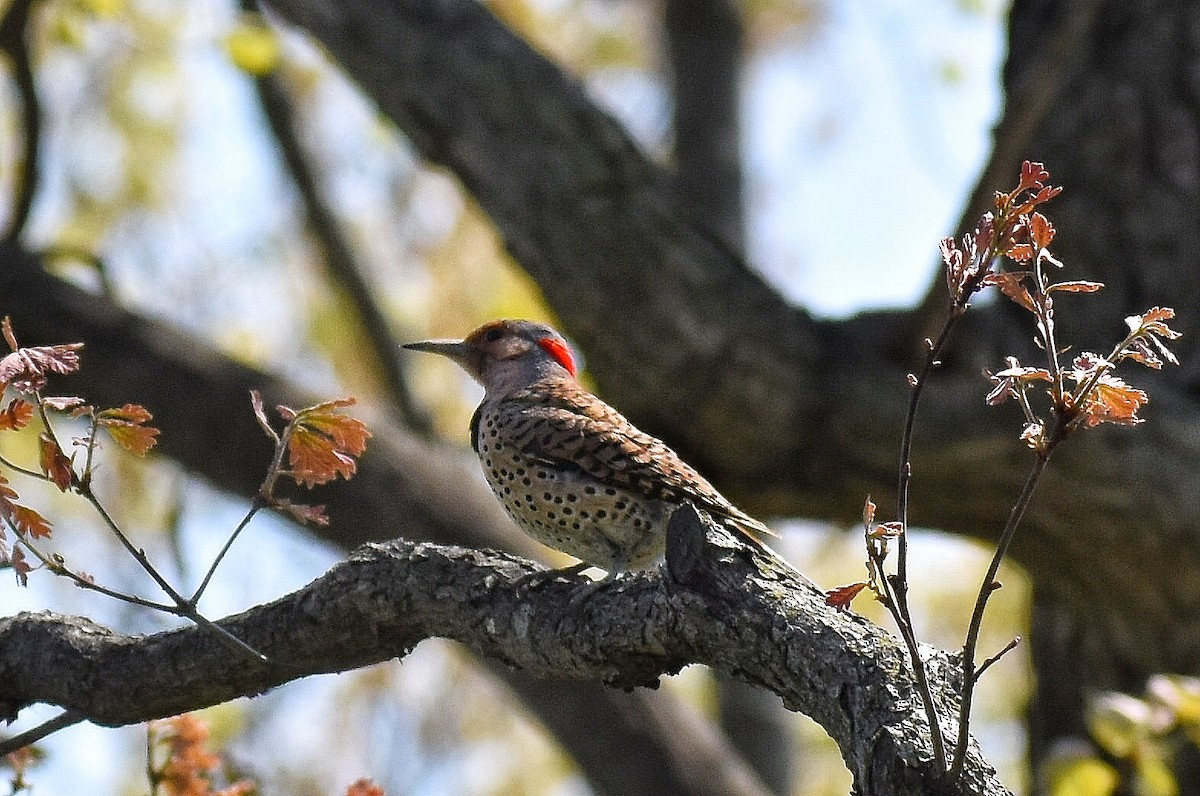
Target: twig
(255, 507)
(1007, 648)
(60, 722)
(182, 606)
(57, 567)
(989, 585)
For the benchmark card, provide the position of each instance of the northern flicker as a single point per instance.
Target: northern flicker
(570, 470)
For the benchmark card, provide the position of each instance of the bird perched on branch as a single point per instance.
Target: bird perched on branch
(570, 470)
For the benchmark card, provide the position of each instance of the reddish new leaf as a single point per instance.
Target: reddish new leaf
(16, 415)
(364, 787)
(1148, 331)
(841, 597)
(76, 406)
(1012, 380)
(1019, 252)
(1154, 320)
(1076, 287)
(314, 459)
(868, 513)
(349, 434)
(1113, 401)
(1041, 231)
(1011, 284)
(324, 443)
(24, 520)
(27, 369)
(29, 522)
(20, 566)
(127, 427)
(9, 337)
(1043, 195)
(1033, 175)
(303, 513)
(887, 530)
(55, 464)
(260, 414)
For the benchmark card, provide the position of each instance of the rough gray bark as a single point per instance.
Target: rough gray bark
(719, 603)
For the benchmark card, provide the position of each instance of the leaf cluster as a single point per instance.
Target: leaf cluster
(1009, 249)
(315, 444)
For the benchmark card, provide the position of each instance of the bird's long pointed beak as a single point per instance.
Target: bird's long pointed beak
(454, 349)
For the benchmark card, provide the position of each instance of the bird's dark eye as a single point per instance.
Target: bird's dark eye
(492, 335)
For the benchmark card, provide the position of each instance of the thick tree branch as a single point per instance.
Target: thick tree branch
(720, 603)
(705, 43)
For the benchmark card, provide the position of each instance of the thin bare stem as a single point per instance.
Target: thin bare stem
(60, 722)
(23, 470)
(898, 602)
(138, 554)
(989, 585)
(228, 639)
(265, 493)
(254, 509)
(918, 387)
(56, 567)
(1007, 648)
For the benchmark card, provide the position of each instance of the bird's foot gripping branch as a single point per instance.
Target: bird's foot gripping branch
(1010, 250)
